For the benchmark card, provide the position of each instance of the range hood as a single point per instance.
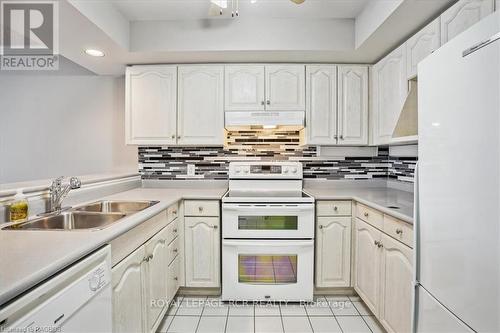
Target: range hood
(407, 124)
(264, 118)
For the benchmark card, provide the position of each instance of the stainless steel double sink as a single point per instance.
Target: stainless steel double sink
(94, 216)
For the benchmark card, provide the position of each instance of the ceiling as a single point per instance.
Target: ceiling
(148, 10)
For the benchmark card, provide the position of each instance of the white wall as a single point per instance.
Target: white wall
(65, 123)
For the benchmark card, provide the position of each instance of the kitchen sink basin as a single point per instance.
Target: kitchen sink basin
(69, 221)
(125, 207)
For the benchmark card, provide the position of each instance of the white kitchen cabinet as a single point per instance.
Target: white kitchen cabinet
(367, 264)
(396, 287)
(389, 91)
(173, 281)
(333, 252)
(129, 312)
(462, 15)
(151, 105)
(202, 251)
(156, 277)
(244, 88)
(321, 104)
(200, 105)
(352, 105)
(422, 44)
(285, 87)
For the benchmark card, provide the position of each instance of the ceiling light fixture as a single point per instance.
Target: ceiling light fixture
(94, 53)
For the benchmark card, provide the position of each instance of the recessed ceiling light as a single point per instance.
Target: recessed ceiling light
(94, 53)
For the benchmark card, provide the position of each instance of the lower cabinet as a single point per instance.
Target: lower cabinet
(383, 276)
(202, 251)
(127, 282)
(333, 252)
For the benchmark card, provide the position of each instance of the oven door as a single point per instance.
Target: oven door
(263, 270)
(268, 220)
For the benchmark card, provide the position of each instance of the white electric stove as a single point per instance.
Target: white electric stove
(268, 234)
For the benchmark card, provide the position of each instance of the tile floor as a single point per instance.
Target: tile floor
(327, 314)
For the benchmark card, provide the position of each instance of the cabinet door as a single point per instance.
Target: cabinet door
(202, 242)
(201, 108)
(151, 105)
(367, 264)
(156, 277)
(285, 88)
(353, 105)
(396, 286)
(422, 44)
(174, 271)
(127, 281)
(463, 15)
(390, 88)
(333, 252)
(244, 88)
(321, 105)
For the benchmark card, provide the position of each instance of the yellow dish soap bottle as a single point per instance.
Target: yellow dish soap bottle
(18, 209)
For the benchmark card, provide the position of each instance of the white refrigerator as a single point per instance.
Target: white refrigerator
(457, 218)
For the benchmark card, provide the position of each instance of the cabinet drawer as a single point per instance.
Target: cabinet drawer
(399, 230)
(173, 212)
(201, 208)
(173, 231)
(367, 214)
(173, 249)
(333, 208)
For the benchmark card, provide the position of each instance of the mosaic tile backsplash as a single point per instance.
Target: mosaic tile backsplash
(212, 162)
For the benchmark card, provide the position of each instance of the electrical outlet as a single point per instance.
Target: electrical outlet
(190, 170)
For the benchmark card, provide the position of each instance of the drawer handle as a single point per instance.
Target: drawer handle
(335, 208)
(200, 209)
(399, 231)
(366, 214)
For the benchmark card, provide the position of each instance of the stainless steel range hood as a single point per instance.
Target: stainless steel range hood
(264, 118)
(407, 124)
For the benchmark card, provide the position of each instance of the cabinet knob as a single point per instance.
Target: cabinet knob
(268, 102)
(262, 103)
(200, 209)
(174, 212)
(335, 208)
(178, 136)
(175, 250)
(399, 231)
(320, 226)
(366, 214)
(150, 257)
(342, 137)
(378, 244)
(215, 226)
(173, 136)
(145, 259)
(335, 136)
(176, 278)
(175, 230)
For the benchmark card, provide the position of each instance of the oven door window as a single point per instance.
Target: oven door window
(268, 222)
(267, 269)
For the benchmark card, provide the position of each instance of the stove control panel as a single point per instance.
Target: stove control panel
(265, 170)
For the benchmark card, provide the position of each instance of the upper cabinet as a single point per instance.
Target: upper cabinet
(422, 44)
(285, 87)
(352, 105)
(389, 91)
(200, 108)
(321, 104)
(337, 105)
(462, 15)
(244, 88)
(151, 105)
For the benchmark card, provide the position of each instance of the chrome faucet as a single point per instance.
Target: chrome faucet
(58, 192)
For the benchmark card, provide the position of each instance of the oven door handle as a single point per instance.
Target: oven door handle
(280, 243)
(242, 207)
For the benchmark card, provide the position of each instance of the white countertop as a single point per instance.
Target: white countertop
(29, 257)
(379, 198)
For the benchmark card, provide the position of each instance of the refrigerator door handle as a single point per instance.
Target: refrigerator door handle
(416, 247)
(480, 45)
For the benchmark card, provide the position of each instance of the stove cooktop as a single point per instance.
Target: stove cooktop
(267, 196)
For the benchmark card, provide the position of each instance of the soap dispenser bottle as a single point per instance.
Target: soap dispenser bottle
(18, 209)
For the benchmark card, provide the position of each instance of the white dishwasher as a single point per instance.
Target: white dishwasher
(78, 299)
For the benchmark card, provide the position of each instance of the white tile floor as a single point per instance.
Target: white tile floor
(327, 314)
